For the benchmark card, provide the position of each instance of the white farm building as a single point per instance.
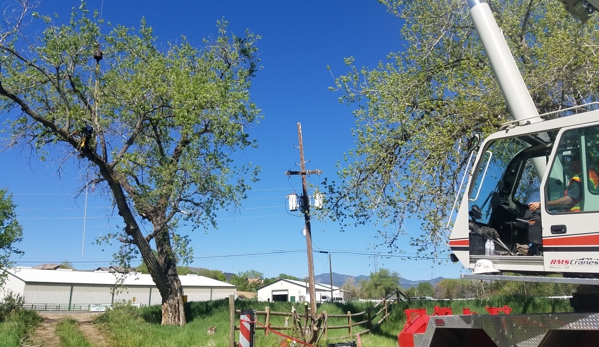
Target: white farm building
(79, 290)
(297, 291)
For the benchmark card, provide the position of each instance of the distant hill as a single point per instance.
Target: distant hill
(339, 279)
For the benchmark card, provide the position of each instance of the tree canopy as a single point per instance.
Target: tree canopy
(414, 112)
(155, 125)
(350, 289)
(11, 233)
(380, 284)
(248, 281)
(423, 289)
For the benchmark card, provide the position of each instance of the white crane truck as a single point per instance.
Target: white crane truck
(529, 160)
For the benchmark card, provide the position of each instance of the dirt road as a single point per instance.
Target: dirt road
(45, 336)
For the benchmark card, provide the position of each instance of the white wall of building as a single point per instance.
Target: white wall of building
(46, 293)
(78, 289)
(138, 295)
(297, 291)
(12, 285)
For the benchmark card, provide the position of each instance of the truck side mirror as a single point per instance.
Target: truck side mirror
(473, 143)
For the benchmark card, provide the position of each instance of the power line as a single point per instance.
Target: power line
(233, 255)
(58, 208)
(56, 218)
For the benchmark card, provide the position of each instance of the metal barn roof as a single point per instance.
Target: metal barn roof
(29, 275)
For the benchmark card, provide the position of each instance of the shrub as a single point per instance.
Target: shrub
(11, 302)
(17, 326)
(118, 312)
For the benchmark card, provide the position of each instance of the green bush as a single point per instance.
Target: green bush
(17, 326)
(119, 312)
(11, 302)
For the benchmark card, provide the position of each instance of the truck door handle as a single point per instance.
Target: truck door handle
(558, 229)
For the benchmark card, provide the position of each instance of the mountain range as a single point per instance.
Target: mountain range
(339, 279)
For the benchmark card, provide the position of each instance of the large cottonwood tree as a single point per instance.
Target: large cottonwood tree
(414, 112)
(166, 120)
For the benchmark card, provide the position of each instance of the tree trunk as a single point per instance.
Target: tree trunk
(173, 309)
(164, 269)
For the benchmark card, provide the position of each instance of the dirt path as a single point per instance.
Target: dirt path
(44, 335)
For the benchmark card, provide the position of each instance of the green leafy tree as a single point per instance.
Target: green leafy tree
(288, 277)
(11, 233)
(215, 274)
(184, 270)
(251, 274)
(410, 292)
(445, 288)
(268, 281)
(424, 289)
(248, 281)
(165, 122)
(67, 265)
(350, 289)
(450, 288)
(531, 288)
(380, 284)
(241, 283)
(414, 111)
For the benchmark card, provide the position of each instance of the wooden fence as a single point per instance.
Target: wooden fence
(370, 318)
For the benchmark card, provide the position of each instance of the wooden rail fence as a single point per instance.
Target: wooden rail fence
(370, 318)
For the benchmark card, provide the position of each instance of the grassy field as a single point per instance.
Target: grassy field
(16, 327)
(129, 327)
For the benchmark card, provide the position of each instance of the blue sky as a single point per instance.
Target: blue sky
(299, 40)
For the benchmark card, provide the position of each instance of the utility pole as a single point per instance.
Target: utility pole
(331, 277)
(306, 211)
(330, 272)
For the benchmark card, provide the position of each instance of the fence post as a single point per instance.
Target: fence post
(385, 307)
(369, 324)
(349, 322)
(306, 329)
(266, 323)
(231, 321)
(246, 328)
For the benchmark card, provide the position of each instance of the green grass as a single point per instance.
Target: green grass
(17, 326)
(69, 334)
(129, 327)
(126, 327)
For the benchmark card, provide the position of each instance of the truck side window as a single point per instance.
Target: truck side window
(591, 140)
(574, 172)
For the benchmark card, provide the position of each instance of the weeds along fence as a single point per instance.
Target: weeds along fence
(354, 323)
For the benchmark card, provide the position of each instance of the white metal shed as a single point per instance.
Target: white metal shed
(297, 291)
(77, 290)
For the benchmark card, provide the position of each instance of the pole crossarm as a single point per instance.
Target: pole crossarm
(303, 172)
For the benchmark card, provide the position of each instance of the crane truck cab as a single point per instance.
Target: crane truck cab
(527, 161)
(556, 238)
(534, 191)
